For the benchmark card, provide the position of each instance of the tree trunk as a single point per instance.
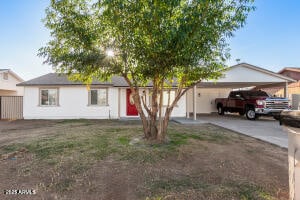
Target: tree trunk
(137, 102)
(155, 129)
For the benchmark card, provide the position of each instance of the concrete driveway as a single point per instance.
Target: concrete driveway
(265, 128)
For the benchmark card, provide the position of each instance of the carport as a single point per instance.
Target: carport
(201, 98)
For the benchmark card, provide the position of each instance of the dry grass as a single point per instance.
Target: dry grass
(105, 159)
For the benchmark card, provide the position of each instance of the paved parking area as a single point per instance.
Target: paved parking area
(265, 128)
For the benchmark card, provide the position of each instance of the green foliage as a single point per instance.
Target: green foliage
(158, 42)
(250, 191)
(181, 39)
(124, 140)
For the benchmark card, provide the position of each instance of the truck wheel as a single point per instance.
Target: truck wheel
(220, 110)
(250, 114)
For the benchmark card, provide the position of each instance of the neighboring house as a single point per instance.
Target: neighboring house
(293, 88)
(8, 82)
(53, 96)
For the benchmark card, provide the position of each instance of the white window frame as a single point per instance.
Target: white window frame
(90, 97)
(56, 98)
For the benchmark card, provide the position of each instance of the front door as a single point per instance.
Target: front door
(131, 109)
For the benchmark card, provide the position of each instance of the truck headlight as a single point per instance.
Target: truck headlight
(260, 102)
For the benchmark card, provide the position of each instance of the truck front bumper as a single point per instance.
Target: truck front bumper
(268, 111)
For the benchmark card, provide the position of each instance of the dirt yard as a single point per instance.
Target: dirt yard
(102, 159)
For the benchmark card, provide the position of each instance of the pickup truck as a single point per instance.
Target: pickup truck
(252, 103)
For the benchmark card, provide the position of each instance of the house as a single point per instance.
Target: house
(8, 82)
(53, 96)
(293, 88)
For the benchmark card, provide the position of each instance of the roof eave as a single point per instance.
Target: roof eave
(79, 84)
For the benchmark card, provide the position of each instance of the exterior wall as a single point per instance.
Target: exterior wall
(8, 93)
(293, 88)
(73, 104)
(205, 100)
(8, 87)
(178, 111)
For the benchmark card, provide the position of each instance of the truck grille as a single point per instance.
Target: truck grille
(277, 104)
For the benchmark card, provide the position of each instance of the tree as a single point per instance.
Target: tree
(162, 43)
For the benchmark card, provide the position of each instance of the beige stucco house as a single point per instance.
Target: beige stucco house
(8, 82)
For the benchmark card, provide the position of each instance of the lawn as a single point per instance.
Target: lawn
(106, 159)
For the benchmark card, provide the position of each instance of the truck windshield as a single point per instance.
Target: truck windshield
(257, 94)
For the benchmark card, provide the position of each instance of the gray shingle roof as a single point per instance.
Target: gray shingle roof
(61, 79)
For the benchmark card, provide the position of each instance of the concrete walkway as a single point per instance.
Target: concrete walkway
(265, 128)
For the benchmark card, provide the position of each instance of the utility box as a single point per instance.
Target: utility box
(295, 101)
(291, 124)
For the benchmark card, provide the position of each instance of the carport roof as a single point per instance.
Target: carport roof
(246, 75)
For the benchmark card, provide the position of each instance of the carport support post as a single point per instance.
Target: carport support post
(286, 86)
(187, 106)
(194, 102)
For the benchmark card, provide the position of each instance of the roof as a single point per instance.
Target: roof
(54, 79)
(286, 78)
(241, 79)
(293, 69)
(62, 79)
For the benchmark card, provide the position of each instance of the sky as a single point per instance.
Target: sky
(270, 39)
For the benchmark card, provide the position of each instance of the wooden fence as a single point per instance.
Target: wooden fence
(11, 107)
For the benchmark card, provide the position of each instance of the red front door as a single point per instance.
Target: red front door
(131, 109)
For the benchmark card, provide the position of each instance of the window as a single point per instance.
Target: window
(257, 93)
(49, 97)
(5, 76)
(98, 97)
(232, 95)
(165, 99)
